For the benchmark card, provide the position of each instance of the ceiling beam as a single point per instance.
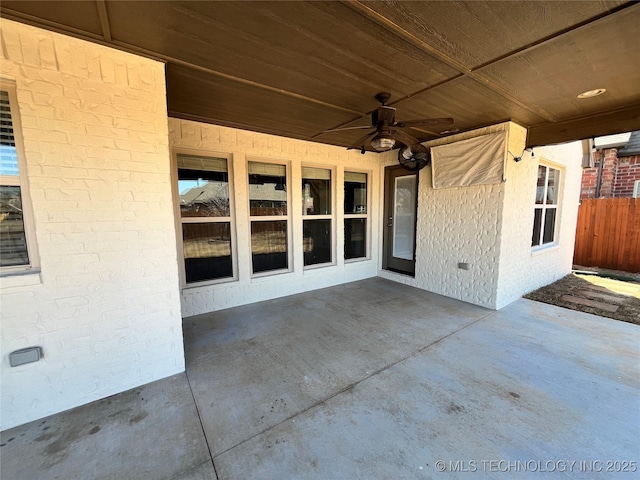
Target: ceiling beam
(225, 123)
(104, 19)
(620, 120)
(49, 25)
(471, 72)
(543, 41)
(392, 27)
(125, 47)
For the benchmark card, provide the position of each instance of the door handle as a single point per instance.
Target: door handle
(390, 224)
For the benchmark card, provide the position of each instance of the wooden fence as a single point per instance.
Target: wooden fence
(608, 234)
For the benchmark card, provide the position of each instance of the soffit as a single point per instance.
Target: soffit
(298, 68)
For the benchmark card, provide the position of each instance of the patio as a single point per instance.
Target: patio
(371, 379)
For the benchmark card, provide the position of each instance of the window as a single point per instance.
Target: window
(269, 217)
(546, 208)
(636, 189)
(205, 215)
(355, 215)
(317, 217)
(17, 247)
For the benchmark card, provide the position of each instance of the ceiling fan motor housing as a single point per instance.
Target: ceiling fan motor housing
(383, 116)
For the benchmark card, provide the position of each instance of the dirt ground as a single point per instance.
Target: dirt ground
(608, 294)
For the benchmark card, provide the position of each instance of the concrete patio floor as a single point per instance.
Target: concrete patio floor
(371, 379)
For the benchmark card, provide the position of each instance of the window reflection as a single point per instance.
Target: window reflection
(267, 189)
(207, 251)
(269, 245)
(549, 225)
(203, 184)
(355, 192)
(542, 176)
(317, 241)
(13, 241)
(8, 152)
(316, 191)
(355, 236)
(552, 186)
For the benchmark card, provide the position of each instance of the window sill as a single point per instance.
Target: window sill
(266, 276)
(208, 283)
(348, 261)
(24, 278)
(548, 247)
(316, 266)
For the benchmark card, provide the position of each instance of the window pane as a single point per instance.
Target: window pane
(267, 189)
(316, 191)
(207, 251)
(553, 183)
(537, 226)
(355, 192)
(13, 241)
(355, 237)
(203, 184)
(269, 246)
(549, 225)
(8, 154)
(542, 176)
(316, 241)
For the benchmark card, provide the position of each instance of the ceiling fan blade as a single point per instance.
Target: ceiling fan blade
(403, 137)
(425, 122)
(341, 129)
(362, 142)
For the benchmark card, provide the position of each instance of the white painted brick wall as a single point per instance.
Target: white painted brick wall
(460, 224)
(244, 146)
(522, 269)
(105, 308)
(490, 227)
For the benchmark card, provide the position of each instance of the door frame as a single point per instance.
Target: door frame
(390, 174)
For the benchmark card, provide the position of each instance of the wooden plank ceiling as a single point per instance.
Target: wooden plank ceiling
(299, 68)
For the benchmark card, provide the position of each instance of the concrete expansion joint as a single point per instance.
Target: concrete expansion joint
(339, 392)
(204, 433)
(193, 469)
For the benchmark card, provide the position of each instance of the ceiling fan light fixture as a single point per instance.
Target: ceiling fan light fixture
(592, 93)
(383, 142)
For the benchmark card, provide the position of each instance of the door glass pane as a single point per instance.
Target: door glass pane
(537, 226)
(549, 225)
(404, 207)
(355, 237)
(316, 191)
(269, 245)
(13, 241)
(316, 241)
(207, 251)
(355, 192)
(203, 184)
(552, 186)
(267, 189)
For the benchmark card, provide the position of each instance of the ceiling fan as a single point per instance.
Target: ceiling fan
(387, 130)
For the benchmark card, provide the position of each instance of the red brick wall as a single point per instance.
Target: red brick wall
(627, 173)
(618, 176)
(589, 181)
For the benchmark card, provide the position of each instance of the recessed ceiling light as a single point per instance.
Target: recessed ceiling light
(592, 93)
